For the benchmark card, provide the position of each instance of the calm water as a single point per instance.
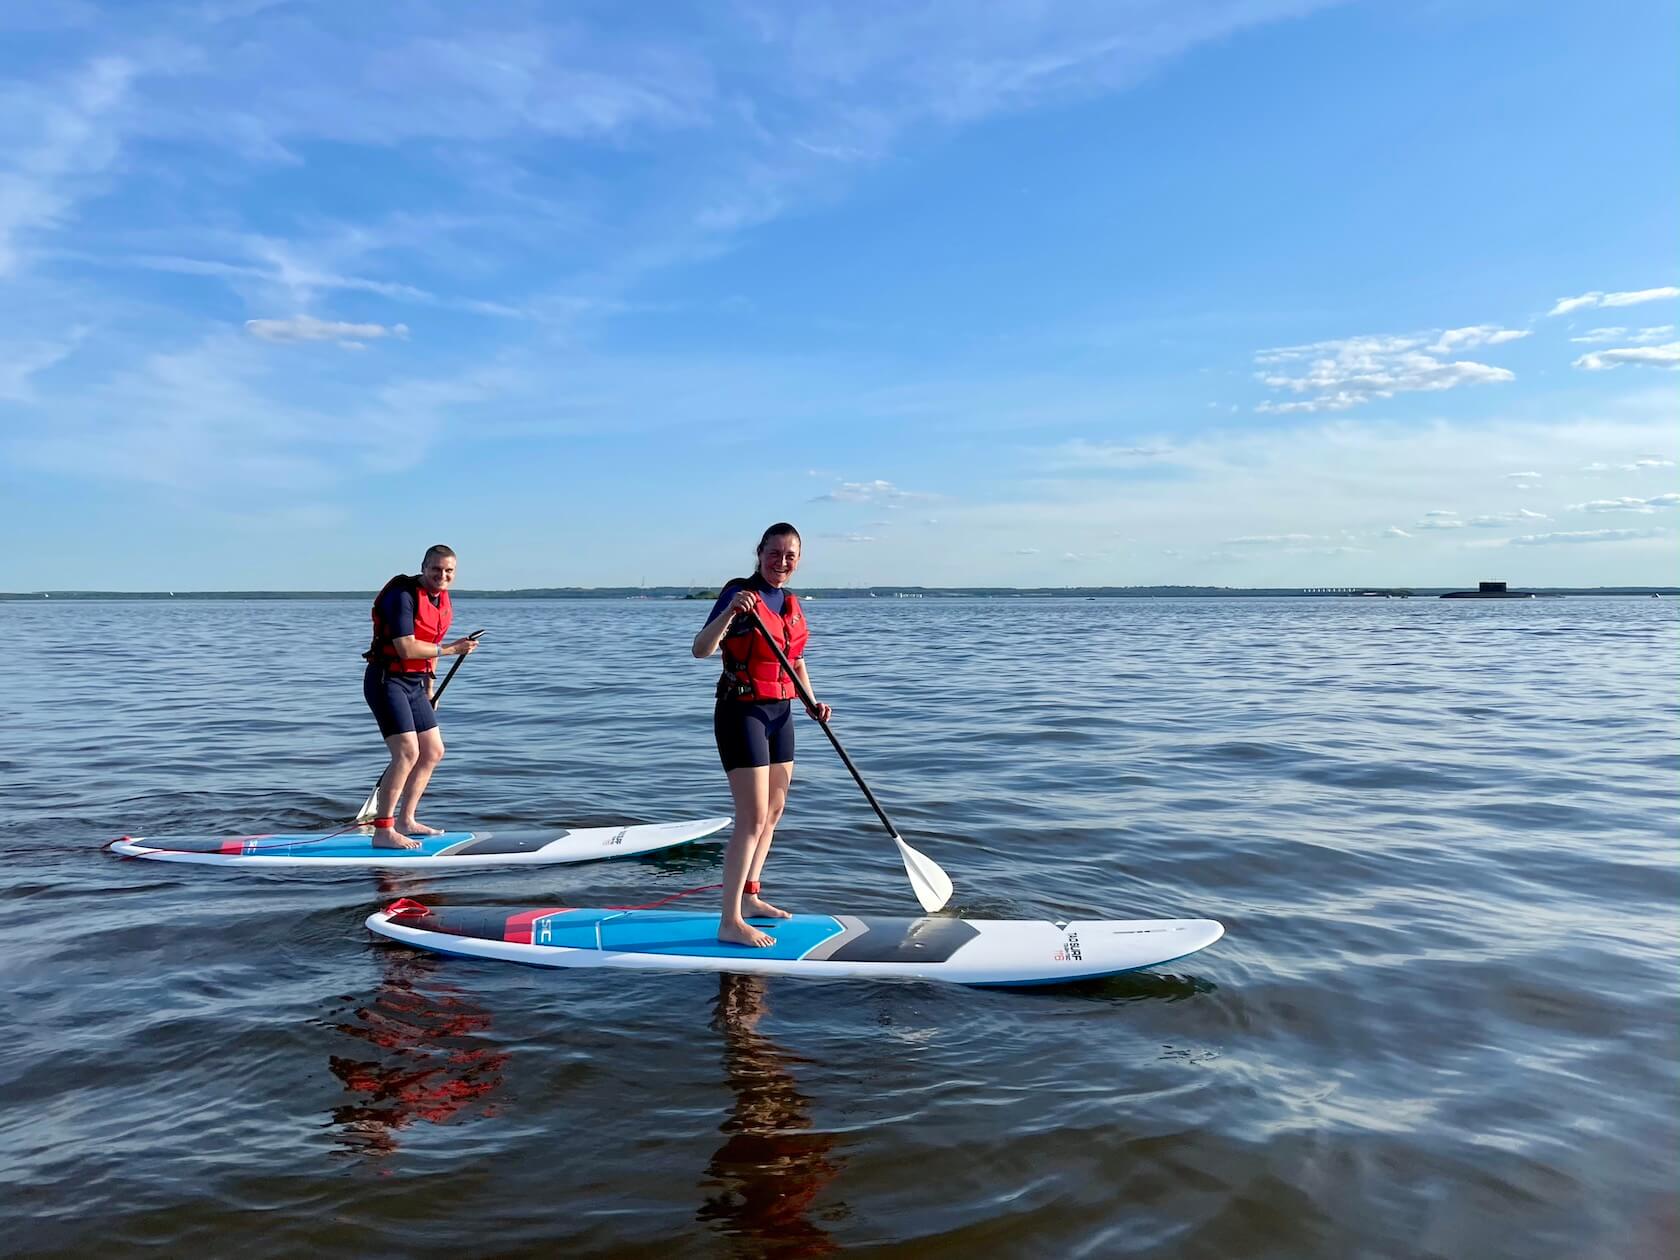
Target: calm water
(1441, 836)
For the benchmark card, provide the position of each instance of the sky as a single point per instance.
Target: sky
(1215, 292)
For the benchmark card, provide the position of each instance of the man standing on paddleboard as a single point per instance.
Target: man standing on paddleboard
(753, 719)
(411, 616)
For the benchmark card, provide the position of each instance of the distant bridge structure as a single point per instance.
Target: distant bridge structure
(1331, 590)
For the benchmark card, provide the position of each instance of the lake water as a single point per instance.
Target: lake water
(1441, 836)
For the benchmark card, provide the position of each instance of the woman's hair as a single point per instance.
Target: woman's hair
(775, 531)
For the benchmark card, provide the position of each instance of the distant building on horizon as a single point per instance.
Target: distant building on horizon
(1490, 590)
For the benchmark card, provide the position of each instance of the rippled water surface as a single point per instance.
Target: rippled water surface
(1441, 836)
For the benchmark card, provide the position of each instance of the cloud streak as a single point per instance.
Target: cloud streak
(1350, 372)
(1586, 536)
(1628, 504)
(1639, 356)
(1633, 297)
(306, 328)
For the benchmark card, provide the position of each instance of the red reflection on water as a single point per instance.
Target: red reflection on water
(431, 1061)
(770, 1167)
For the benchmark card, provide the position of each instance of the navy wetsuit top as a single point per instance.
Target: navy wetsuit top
(774, 597)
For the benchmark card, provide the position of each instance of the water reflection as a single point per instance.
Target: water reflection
(761, 1182)
(431, 1060)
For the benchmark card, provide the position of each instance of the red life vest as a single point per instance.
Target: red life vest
(750, 669)
(431, 623)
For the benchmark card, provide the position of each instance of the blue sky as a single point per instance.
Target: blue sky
(1234, 292)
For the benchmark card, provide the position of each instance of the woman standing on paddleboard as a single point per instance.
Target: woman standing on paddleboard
(753, 720)
(411, 616)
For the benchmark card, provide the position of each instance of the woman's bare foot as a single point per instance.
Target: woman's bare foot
(740, 932)
(391, 838)
(414, 827)
(755, 907)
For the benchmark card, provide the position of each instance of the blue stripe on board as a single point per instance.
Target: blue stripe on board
(676, 932)
(348, 845)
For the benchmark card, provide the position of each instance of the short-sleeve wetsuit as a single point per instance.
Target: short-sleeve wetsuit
(752, 732)
(399, 701)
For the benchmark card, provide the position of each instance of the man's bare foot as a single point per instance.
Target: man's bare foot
(755, 907)
(414, 827)
(740, 932)
(391, 838)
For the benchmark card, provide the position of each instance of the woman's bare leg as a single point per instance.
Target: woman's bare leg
(781, 778)
(749, 786)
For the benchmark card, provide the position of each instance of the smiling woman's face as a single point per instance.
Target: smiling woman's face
(778, 557)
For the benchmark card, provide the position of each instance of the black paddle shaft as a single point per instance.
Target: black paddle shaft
(459, 661)
(810, 703)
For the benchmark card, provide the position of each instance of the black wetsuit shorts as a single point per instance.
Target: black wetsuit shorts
(753, 733)
(399, 701)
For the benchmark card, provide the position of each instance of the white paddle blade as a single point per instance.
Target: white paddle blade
(369, 807)
(928, 879)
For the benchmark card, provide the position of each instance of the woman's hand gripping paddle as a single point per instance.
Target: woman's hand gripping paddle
(370, 807)
(928, 879)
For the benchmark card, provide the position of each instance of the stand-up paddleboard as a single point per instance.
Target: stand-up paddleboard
(963, 951)
(452, 850)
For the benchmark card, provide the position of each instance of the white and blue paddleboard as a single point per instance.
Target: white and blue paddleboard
(963, 951)
(452, 850)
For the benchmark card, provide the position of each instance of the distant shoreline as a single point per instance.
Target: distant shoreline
(869, 592)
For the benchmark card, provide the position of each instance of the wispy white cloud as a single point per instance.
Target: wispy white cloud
(1352, 371)
(1448, 519)
(1270, 540)
(1627, 336)
(302, 328)
(1627, 504)
(22, 360)
(1522, 476)
(1633, 297)
(1638, 465)
(881, 492)
(1640, 296)
(75, 131)
(1647, 356)
(1082, 453)
(1476, 335)
(1587, 536)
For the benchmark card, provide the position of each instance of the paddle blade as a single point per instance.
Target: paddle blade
(369, 809)
(928, 879)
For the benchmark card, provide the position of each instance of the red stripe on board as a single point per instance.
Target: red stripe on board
(518, 926)
(235, 846)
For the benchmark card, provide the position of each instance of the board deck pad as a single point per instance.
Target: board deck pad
(454, 849)
(966, 951)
